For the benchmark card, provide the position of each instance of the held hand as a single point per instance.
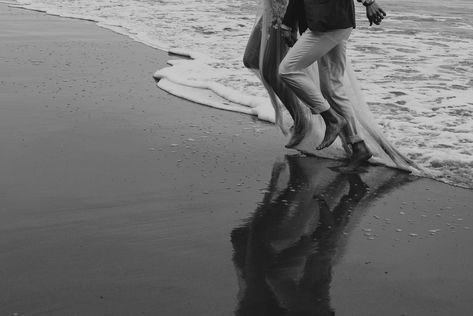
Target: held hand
(290, 37)
(375, 14)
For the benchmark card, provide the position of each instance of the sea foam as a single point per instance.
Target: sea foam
(415, 69)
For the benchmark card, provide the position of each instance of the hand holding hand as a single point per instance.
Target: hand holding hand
(374, 13)
(289, 36)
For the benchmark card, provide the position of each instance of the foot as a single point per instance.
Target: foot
(361, 154)
(297, 136)
(334, 123)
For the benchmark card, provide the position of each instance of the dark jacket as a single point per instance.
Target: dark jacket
(320, 15)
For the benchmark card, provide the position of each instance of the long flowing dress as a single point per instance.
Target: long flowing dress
(264, 52)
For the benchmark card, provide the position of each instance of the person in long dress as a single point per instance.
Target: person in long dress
(317, 58)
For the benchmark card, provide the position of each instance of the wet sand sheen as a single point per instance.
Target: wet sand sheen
(423, 49)
(119, 199)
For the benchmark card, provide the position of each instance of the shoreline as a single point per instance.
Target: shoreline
(126, 32)
(437, 169)
(121, 199)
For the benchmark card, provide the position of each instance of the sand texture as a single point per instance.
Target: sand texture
(120, 199)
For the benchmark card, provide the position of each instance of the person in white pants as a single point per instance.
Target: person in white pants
(325, 26)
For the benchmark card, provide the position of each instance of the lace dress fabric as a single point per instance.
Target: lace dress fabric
(265, 51)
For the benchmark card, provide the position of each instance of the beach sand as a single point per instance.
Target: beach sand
(120, 199)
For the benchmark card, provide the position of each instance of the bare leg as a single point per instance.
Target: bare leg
(252, 51)
(298, 135)
(274, 52)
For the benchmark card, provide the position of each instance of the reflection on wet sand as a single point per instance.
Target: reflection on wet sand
(285, 252)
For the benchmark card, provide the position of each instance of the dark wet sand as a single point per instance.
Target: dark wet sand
(119, 199)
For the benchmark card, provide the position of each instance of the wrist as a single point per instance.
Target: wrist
(367, 3)
(285, 27)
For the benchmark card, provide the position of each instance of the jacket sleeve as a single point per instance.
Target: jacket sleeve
(290, 17)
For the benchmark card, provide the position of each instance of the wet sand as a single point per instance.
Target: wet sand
(119, 199)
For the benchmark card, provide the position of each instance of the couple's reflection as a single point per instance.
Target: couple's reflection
(285, 252)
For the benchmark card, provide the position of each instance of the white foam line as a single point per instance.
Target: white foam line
(416, 121)
(176, 74)
(174, 85)
(9, 3)
(187, 54)
(114, 28)
(199, 95)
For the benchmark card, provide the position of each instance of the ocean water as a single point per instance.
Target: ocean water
(415, 69)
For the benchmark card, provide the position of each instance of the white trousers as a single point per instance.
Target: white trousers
(328, 49)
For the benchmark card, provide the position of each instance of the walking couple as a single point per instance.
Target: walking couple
(314, 78)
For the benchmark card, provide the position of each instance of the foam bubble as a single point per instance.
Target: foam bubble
(415, 69)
